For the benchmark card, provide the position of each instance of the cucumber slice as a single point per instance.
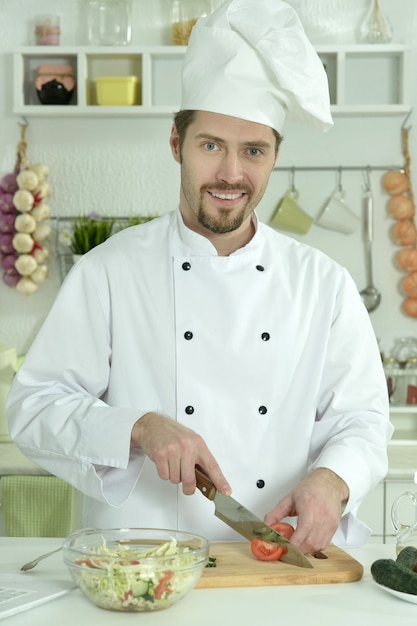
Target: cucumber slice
(139, 588)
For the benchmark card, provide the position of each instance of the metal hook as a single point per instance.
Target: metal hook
(293, 179)
(367, 178)
(25, 122)
(339, 178)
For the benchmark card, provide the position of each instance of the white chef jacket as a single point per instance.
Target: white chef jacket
(268, 353)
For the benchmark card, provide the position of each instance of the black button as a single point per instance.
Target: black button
(260, 268)
(186, 266)
(260, 483)
(188, 335)
(262, 410)
(189, 410)
(266, 336)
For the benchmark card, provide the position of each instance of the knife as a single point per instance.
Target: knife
(246, 523)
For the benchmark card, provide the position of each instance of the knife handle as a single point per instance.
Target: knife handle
(205, 485)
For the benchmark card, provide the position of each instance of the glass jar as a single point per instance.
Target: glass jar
(404, 348)
(184, 14)
(109, 22)
(47, 30)
(391, 369)
(411, 380)
(376, 27)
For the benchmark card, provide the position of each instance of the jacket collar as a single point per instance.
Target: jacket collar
(199, 245)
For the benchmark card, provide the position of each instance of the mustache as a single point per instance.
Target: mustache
(221, 186)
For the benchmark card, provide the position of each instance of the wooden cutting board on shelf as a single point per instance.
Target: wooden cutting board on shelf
(237, 567)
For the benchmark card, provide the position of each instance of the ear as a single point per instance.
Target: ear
(174, 142)
(276, 160)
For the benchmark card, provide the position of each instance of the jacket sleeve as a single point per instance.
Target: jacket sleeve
(57, 410)
(352, 428)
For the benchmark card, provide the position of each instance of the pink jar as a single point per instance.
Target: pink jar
(47, 30)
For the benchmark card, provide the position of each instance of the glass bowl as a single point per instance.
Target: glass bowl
(135, 569)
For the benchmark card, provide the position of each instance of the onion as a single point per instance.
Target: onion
(400, 207)
(6, 243)
(395, 182)
(409, 285)
(8, 261)
(6, 203)
(404, 232)
(410, 307)
(11, 277)
(7, 222)
(407, 259)
(8, 183)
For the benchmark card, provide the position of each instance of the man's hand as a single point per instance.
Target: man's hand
(176, 450)
(318, 500)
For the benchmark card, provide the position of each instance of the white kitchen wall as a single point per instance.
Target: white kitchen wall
(119, 166)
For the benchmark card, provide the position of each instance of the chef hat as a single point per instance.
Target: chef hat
(251, 59)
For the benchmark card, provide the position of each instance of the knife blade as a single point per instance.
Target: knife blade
(245, 522)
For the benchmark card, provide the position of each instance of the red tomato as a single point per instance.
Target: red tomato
(267, 550)
(163, 585)
(284, 529)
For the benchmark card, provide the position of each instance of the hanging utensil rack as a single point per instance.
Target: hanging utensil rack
(336, 168)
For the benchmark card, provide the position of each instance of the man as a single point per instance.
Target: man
(206, 338)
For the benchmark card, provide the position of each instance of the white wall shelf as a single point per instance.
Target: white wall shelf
(404, 420)
(363, 79)
(367, 79)
(158, 69)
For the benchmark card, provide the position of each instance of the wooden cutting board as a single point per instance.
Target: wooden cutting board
(237, 567)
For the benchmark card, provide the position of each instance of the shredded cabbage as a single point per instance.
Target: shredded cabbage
(136, 582)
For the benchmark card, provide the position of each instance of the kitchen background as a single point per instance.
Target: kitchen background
(122, 165)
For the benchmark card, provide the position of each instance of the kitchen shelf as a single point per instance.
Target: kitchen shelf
(158, 69)
(367, 79)
(404, 420)
(363, 79)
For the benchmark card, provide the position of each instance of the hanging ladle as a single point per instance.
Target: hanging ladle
(371, 296)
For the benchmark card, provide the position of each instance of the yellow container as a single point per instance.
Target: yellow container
(117, 90)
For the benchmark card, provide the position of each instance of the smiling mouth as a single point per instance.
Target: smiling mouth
(226, 196)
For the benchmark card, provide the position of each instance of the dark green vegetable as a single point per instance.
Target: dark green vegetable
(211, 562)
(400, 574)
(407, 557)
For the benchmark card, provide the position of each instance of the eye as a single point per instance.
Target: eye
(254, 151)
(210, 146)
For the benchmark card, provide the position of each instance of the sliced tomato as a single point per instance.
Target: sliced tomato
(163, 585)
(267, 550)
(284, 529)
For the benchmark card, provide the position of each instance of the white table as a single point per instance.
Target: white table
(348, 604)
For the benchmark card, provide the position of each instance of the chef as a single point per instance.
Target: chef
(205, 337)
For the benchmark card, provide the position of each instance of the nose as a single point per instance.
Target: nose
(230, 169)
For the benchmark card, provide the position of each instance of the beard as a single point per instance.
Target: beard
(224, 220)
